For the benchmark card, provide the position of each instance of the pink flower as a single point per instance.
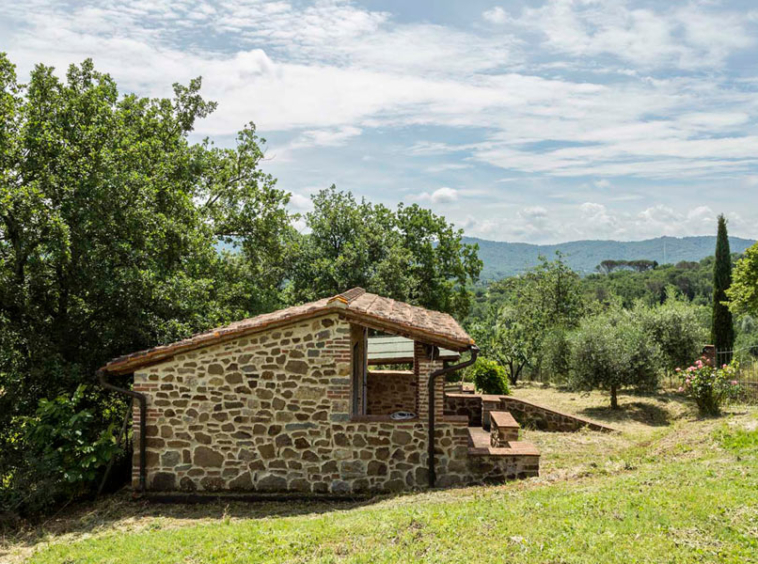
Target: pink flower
(678, 369)
(699, 363)
(734, 382)
(723, 366)
(681, 389)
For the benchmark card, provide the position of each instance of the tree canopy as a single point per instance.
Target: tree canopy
(409, 254)
(109, 220)
(722, 326)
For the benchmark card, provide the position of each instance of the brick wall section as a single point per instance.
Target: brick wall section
(389, 391)
(270, 412)
(423, 366)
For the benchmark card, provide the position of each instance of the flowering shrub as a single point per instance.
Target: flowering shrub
(709, 386)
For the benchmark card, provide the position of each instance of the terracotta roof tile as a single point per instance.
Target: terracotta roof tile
(428, 326)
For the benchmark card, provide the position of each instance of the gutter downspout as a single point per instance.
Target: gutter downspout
(432, 377)
(142, 400)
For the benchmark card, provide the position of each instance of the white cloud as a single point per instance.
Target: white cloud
(447, 167)
(581, 92)
(325, 137)
(300, 203)
(603, 184)
(495, 15)
(444, 195)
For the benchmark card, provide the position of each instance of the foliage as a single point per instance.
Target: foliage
(555, 360)
(710, 387)
(409, 254)
(693, 280)
(722, 326)
(489, 377)
(109, 221)
(64, 449)
(676, 330)
(524, 309)
(743, 293)
(607, 266)
(611, 351)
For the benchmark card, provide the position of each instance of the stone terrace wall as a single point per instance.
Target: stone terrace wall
(270, 413)
(389, 391)
(526, 413)
(546, 419)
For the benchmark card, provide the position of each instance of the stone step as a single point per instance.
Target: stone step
(503, 428)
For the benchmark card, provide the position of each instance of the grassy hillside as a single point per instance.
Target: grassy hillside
(668, 488)
(507, 259)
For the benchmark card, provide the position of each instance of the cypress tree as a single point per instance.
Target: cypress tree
(722, 327)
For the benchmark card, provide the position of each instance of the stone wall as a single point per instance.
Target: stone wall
(270, 412)
(546, 419)
(526, 413)
(465, 404)
(389, 391)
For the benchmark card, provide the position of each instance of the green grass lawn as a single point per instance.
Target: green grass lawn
(677, 489)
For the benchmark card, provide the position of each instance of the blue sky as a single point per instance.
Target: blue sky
(536, 121)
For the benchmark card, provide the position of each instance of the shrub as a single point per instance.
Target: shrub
(489, 377)
(611, 351)
(710, 387)
(61, 450)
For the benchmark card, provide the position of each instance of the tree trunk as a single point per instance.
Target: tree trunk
(614, 398)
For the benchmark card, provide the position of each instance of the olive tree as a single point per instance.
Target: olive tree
(611, 351)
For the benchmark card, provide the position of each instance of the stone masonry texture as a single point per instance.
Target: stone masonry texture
(270, 412)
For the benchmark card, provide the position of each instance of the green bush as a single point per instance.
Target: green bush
(489, 377)
(62, 450)
(611, 351)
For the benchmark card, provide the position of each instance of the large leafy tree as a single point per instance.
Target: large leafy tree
(526, 308)
(409, 254)
(743, 293)
(722, 325)
(109, 222)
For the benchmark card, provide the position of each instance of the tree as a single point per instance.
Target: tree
(722, 326)
(409, 254)
(743, 293)
(611, 351)
(545, 298)
(109, 221)
(676, 329)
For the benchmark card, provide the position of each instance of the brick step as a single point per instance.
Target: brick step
(479, 445)
(503, 428)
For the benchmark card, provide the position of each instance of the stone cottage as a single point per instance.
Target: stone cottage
(287, 402)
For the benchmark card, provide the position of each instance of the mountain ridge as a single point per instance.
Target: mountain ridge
(502, 259)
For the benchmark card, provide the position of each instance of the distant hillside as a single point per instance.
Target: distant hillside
(507, 259)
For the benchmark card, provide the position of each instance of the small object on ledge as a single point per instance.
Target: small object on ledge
(402, 415)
